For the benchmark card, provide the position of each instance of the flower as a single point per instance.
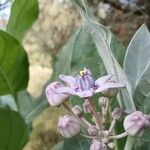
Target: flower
(103, 101)
(92, 130)
(68, 126)
(98, 145)
(135, 123)
(55, 99)
(84, 86)
(117, 113)
(87, 108)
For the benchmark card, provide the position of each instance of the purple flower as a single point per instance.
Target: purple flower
(83, 85)
(55, 99)
(98, 145)
(135, 123)
(68, 126)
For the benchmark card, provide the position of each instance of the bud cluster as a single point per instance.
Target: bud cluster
(84, 86)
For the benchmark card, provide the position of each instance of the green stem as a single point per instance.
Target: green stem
(129, 143)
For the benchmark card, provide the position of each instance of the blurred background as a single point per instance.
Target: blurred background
(57, 20)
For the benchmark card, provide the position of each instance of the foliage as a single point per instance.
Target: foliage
(93, 46)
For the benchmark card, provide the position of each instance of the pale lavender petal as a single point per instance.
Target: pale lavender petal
(103, 79)
(65, 90)
(68, 79)
(85, 94)
(108, 85)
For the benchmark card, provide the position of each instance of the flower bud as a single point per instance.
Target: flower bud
(86, 107)
(55, 99)
(92, 130)
(117, 113)
(135, 123)
(103, 101)
(98, 145)
(77, 110)
(68, 126)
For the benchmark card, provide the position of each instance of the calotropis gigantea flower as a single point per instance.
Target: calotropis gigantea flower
(68, 126)
(98, 145)
(135, 123)
(83, 85)
(55, 99)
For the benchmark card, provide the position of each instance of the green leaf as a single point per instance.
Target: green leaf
(75, 143)
(13, 130)
(30, 108)
(78, 53)
(143, 143)
(137, 64)
(23, 15)
(13, 65)
(102, 38)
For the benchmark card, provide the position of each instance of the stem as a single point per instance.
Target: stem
(129, 143)
(95, 114)
(119, 136)
(112, 125)
(89, 137)
(82, 123)
(86, 121)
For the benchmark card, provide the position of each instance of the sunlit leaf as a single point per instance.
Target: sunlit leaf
(13, 65)
(23, 15)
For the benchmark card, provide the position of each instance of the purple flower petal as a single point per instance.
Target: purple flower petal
(85, 94)
(103, 79)
(108, 85)
(68, 79)
(65, 90)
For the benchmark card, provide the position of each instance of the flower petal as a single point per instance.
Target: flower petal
(68, 79)
(103, 79)
(65, 90)
(84, 94)
(108, 85)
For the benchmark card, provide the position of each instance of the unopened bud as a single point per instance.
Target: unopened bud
(117, 113)
(92, 130)
(135, 123)
(103, 101)
(55, 99)
(68, 126)
(87, 107)
(77, 110)
(98, 145)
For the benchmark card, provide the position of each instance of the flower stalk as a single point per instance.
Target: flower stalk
(95, 114)
(82, 123)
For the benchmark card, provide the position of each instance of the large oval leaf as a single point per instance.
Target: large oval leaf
(13, 130)
(23, 14)
(13, 65)
(137, 63)
(102, 38)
